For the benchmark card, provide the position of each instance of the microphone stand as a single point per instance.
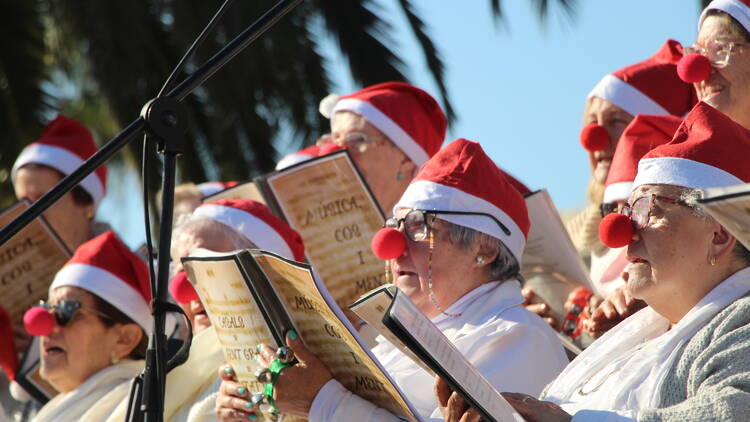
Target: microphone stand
(164, 118)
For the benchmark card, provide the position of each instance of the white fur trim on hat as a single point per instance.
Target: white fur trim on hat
(380, 120)
(734, 8)
(430, 196)
(60, 159)
(109, 287)
(626, 96)
(210, 188)
(250, 226)
(292, 159)
(682, 172)
(619, 191)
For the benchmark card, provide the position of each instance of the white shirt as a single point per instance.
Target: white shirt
(514, 349)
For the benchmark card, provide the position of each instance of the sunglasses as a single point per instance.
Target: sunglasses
(417, 229)
(65, 311)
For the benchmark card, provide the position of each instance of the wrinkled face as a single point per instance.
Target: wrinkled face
(186, 242)
(69, 219)
(728, 88)
(667, 255)
(615, 120)
(451, 265)
(71, 354)
(383, 165)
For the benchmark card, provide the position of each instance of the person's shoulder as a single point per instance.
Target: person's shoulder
(734, 316)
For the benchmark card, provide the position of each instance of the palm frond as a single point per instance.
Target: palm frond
(434, 62)
(23, 71)
(363, 39)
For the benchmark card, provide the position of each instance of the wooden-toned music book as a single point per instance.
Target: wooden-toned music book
(730, 206)
(28, 264)
(254, 297)
(549, 245)
(329, 204)
(391, 312)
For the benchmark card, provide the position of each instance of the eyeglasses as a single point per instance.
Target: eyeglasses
(358, 141)
(608, 208)
(65, 311)
(417, 229)
(640, 211)
(717, 52)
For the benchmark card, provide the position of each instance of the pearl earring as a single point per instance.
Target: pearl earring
(480, 260)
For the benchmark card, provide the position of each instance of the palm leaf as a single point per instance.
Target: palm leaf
(434, 63)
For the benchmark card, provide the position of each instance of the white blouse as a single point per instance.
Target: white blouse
(514, 349)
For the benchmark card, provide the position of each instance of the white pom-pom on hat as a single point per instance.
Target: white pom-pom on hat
(327, 104)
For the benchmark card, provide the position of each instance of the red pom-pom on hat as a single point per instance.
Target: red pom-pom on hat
(616, 230)
(38, 321)
(694, 68)
(388, 243)
(594, 137)
(181, 289)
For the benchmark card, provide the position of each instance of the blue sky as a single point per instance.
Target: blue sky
(519, 88)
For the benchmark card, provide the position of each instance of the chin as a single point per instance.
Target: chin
(638, 282)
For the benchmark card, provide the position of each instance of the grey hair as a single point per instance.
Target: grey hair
(217, 230)
(504, 267)
(691, 196)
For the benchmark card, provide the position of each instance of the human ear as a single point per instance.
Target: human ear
(722, 243)
(487, 254)
(127, 338)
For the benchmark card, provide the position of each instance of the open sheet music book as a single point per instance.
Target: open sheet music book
(412, 332)
(254, 297)
(549, 245)
(730, 206)
(28, 264)
(328, 203)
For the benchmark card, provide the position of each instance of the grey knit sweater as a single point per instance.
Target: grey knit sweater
(710, 380)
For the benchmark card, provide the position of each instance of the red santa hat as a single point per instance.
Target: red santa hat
(305, 154)
(256, 222)
(65, 144)
(210, 188)
(8, 353)
(407, 115)
(709, 150)
(650, 86)
(461, 177)
(643, 134)
(738, 9)
(106, 267)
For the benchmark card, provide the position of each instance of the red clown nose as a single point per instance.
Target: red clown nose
(615, 230)
(38, 321)
(694, 68)
(388, 243)
(181, 289)
(594, 137)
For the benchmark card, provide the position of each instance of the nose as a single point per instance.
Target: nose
(594, 137)
(388, 243)
(38, 321)
(616, 230)
(694, 68)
